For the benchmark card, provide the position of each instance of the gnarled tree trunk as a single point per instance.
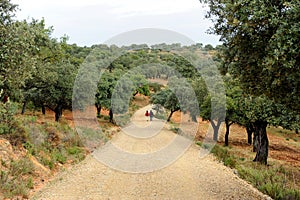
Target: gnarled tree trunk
(43, 109)
(24, 107)
(250, 130)
(98, 107)
(228, 124)
(169, 118)
(194, 118)
(58, 112)
(111, 116)
(260, 130)
(216, 129)
(255, 142)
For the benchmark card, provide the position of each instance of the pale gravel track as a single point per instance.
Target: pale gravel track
(189, 177)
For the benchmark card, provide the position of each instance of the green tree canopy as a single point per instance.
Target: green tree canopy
(261, 40)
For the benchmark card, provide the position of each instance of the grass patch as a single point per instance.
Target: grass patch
(274, 181)
(16, 179)
(161, 116)
(277, 181)
(288, 134)
(50, 143)
(223, 155)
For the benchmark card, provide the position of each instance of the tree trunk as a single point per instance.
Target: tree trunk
(24, 107)
(110, 68)
(98, 107)
(135, 93)
(260, 129)
(194, 118)
(249, 134)
(228, 124)
(216, 129)
(111, 116)
(43, 109)
(255, 142)
(169, 118)
(58, 112)
(5, 99)
(249, 129)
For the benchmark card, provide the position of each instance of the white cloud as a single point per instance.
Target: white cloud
(88, 22)
(151, 7)
(121, 8)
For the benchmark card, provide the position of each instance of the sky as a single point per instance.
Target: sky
(88, 22)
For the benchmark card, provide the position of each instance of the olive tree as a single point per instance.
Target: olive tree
(262, 50)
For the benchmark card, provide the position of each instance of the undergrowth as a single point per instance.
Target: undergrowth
(16, 178)
(52, 144)
(277, 181)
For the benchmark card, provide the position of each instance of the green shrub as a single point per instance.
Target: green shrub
(47, 162)
(156, 87)
(30, 148)
(74, 150)
(17, 180)
(175, 129)
(161, 116)
(10, 127)
(76, 153)
(7, 118)
(270, 180)
(224, 155)
(274, 181)
(105, 117)
(58, 156)
(21, 167)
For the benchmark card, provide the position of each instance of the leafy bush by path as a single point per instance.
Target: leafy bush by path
(155, 87)
(10, 127)
(7, 118)
(161, 116)
(54, 140)
(276, 181)
(16, 179)
(50, 143)
(224, 156)
(273, 181)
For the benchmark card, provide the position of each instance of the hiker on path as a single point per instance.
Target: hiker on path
(151, 115)
(147, 114)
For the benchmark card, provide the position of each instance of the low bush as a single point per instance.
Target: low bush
(10, 127)
(275, 181)
(224, 156)
(16, 179)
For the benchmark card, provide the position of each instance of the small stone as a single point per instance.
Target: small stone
(235, 172)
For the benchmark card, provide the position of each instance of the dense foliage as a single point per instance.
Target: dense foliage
(261, 48)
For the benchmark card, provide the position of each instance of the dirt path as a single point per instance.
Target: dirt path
(136, 149)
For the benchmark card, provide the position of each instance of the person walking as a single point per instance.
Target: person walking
(151, 115)
(147, 114)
